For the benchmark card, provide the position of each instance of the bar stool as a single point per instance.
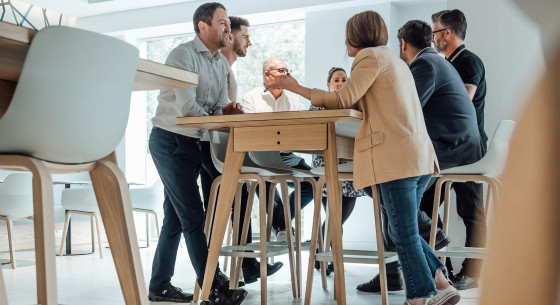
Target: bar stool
(380, 257)
(252, 175)
(486, 170)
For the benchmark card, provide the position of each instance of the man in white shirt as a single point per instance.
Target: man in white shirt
(256, 101)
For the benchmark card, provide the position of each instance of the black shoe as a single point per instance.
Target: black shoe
(463, 282)
(170, 294)
(252, 272)
(394, 283)
(225, 296)
(441, 240)
(224, 280)
(328, 271)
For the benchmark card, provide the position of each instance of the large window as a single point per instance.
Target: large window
(282, 40)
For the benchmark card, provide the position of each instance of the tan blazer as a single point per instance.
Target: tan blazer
(392, 142)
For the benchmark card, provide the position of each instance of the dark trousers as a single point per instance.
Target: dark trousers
(208, 173)
(470, 207)
(177, 159)
(306, 197)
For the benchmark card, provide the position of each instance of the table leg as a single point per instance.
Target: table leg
(333, 195)
(232, 166)
(69, 231)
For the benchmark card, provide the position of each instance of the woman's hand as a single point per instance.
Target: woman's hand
(287, 82)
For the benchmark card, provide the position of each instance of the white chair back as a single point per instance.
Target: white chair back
(149, 198)
(72, 99)
(16, 195)
(79, 199)
(498, 150)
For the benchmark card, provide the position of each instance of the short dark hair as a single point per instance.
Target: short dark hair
(237, 23)
(205, 13)
(332, 71)
(416, 33)
(366, 29)
(454, 20)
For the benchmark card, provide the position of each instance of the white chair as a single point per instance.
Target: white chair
(149, 201)
(272, 159)
(68, 113)
(81, 201)
(253, 175)
(486, 170)
(16, 203)
(378, 256)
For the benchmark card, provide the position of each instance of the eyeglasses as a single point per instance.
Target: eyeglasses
(282, 71)
(434, 32)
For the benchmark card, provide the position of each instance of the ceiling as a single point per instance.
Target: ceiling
(83, 8)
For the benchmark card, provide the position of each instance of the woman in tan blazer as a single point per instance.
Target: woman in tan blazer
(392, 148)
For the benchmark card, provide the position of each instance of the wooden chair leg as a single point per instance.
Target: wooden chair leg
(271, 194)
(10, 226)
(92, 234)
(297, 247)
(98, 236)
(263, 239)
(315, 236)
(208, 224)
(235, 242)
(228, 243)
(446, 209)
(113, 197)
(435, 212)
(245, 230)
(287, 221)
(64, 232)
(380, 245)
(148, 229)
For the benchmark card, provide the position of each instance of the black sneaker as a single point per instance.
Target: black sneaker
(224, 296)
(252, 270)
(170, 294)
(224, 280)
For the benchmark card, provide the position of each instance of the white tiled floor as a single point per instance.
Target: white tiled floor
(89, 280)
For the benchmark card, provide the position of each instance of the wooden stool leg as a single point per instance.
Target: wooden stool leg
(208, 224)
(228, 243)
(113, 197)
(271, 194)
(380, 245)
(245, 230)
(10, 225)
(435, 212)
(446, 212)
(235, 242)
(287, 220)
(64, 232)
(263, 239)
(297, 248)
(98, 236)
(315, 234)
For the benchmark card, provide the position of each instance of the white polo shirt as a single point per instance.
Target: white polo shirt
(256, 101)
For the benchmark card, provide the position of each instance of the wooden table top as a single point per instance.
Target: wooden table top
(347, 120)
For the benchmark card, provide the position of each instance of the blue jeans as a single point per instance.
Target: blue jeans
(178, 161)
(418, 261)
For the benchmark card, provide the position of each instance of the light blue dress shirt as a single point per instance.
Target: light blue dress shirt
(207, 98)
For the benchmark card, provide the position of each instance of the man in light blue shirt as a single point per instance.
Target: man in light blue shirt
(177, 157)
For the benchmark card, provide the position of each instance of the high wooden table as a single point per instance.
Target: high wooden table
(327, 132)
(14, 44)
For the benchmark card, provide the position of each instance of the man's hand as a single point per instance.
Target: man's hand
(232, 108)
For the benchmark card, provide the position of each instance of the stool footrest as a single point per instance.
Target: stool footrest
(467, 252)
(273, 248)
(358, 256)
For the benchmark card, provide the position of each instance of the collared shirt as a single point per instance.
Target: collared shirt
(207, 98)
(471, 69)
(426, 48)
(257, 100)
(231, 82)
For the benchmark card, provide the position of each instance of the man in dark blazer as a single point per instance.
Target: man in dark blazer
(450, 120)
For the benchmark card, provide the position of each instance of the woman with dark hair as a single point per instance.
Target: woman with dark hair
(392, 148)
(335, 79)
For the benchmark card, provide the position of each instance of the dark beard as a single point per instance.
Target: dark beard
(238, 49)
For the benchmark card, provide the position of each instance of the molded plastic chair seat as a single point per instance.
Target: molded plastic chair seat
(272, 159)
(79, 199)
(16, 203)
(68, 113)
(148, 200)
(486, 170)
(346, 168)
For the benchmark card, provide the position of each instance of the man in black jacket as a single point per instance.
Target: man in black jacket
(450, 120)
